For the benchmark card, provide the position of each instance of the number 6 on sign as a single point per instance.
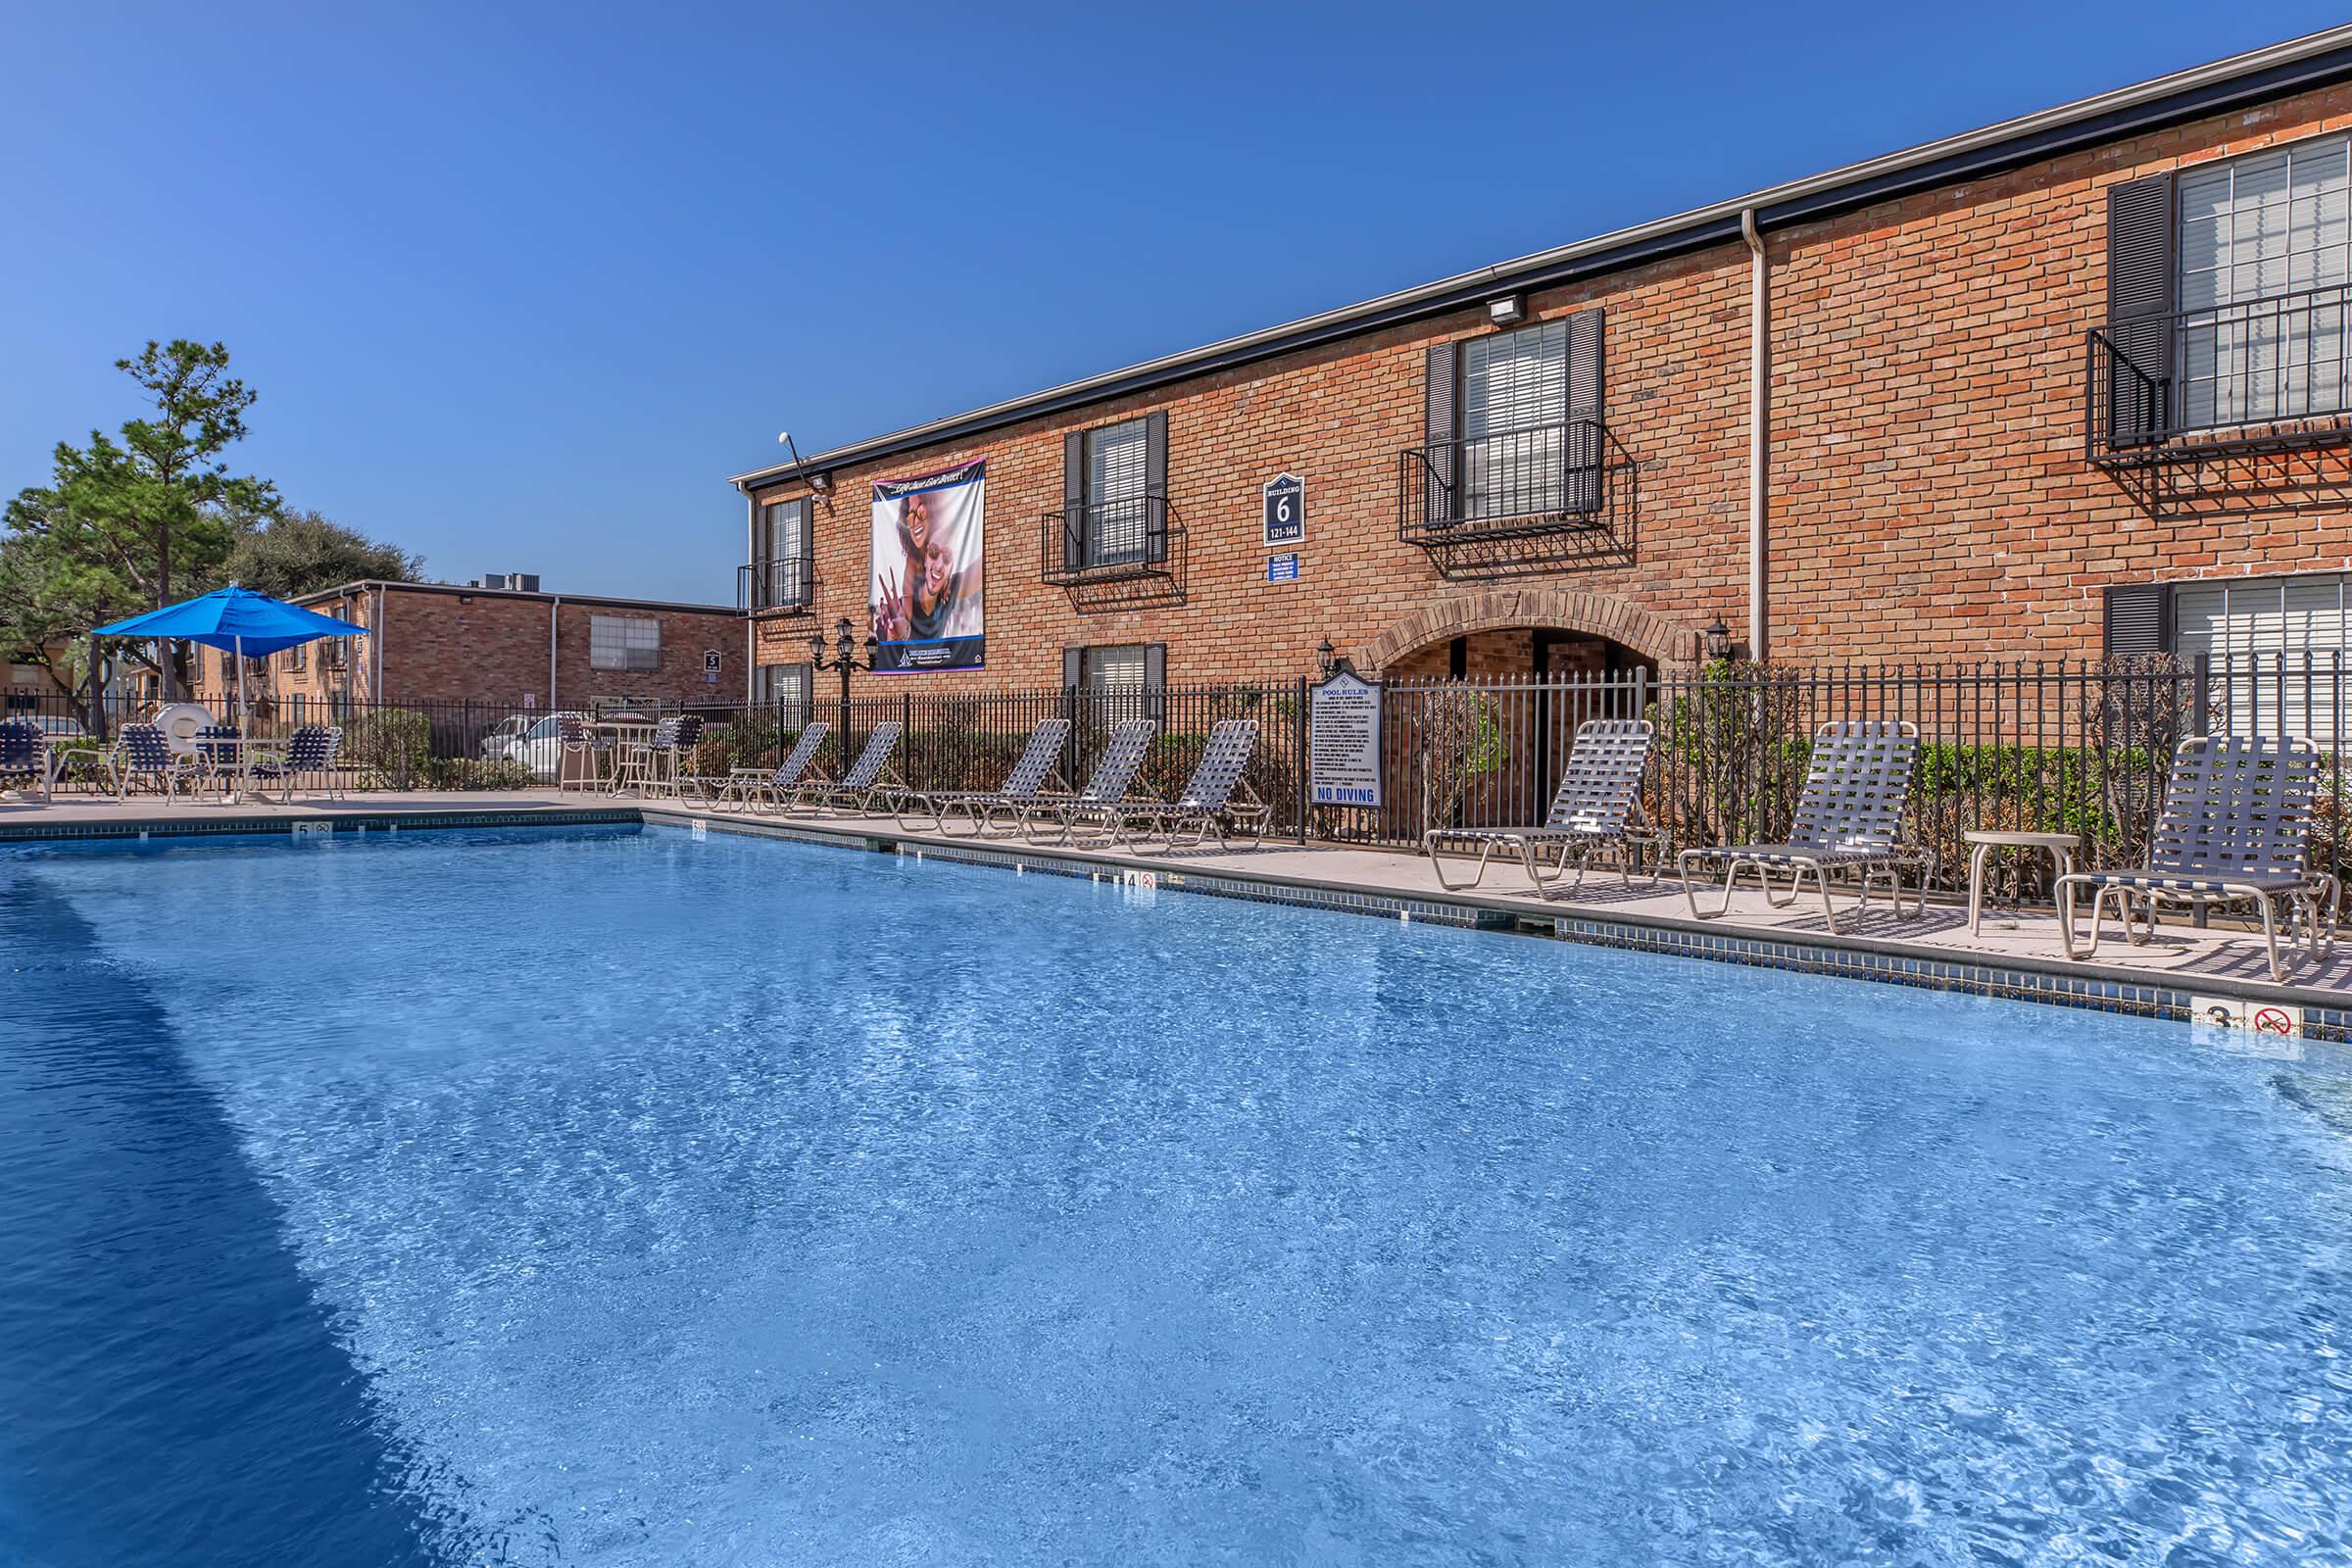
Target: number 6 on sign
(1286, 510)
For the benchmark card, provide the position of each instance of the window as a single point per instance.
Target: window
(780, 556)
(1121, 669)
(2265, 255)
(295, 656)
(784, 688)
(624, 642)
(1514, 404)
(2259, 632)
(1115, 493)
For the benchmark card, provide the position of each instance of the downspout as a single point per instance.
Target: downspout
(750, 597)
(1759, 400)
(555, 603)
(375, 692)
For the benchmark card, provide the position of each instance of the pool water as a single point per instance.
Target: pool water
(613, 1197)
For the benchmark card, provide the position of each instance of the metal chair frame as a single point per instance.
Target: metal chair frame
(1034, 783)
(1597, 807)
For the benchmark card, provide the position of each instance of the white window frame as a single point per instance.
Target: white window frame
(624, 642)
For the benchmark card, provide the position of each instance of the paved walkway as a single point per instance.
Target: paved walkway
(2225, 960)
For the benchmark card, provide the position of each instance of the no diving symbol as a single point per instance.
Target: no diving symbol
(2270, 1021)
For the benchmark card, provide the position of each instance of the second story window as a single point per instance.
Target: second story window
(781, 557)
(624, 642)
(2264, 255)
(1114, 511)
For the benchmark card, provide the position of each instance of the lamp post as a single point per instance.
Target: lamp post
(844, 659)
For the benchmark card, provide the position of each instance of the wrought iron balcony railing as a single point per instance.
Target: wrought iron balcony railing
(1546, 478)
(1109, 541)
(786, 583)
(2274, 372)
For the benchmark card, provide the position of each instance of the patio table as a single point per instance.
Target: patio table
(1983, 841)
(624, 733)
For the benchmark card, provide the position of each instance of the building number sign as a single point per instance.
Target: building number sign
(1286, 510)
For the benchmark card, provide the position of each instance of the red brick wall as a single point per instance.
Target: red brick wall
(443, 647)
(1928, 497)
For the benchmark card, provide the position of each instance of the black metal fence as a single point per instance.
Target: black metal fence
(2050, 747)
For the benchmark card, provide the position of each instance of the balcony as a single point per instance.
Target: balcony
(1112, 541)
(1535, 499)
(2244, 399)
(786, 585)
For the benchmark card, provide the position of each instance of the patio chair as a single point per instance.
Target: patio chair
(872, 786)
(312, 751)
(1216, 797)
(1597, 807)
(24, 753)
(1009, 806)
(144, 752)
(1848, 822)
(747, 784)
(1108, 786)
(218, 752)
(581, 753)
(2235, 829)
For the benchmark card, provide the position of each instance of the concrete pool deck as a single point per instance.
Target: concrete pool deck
(2172, 975)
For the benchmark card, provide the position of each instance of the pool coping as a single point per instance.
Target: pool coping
(2059, 982)
(2054, 981)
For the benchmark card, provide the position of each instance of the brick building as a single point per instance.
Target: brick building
(440, 642)
(2074, 383)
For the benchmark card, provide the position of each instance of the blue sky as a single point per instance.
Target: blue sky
(521, 286)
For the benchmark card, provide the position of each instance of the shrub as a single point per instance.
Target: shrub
(391, 748)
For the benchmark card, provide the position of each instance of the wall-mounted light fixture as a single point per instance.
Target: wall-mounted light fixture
(1323, 657)
(1506, 310)
(1719, 640)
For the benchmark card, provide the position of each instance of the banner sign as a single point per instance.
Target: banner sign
(924, 592)
(1343, 742)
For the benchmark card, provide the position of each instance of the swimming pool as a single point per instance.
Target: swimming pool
(617, 1197)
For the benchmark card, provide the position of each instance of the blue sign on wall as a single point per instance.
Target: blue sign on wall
(1283, 568)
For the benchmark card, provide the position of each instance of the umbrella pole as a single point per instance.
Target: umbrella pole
(244, 723)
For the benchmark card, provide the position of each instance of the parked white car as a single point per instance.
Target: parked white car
(499, 740)
(537, 745)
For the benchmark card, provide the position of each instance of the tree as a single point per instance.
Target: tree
(298, 553)
(137, 521)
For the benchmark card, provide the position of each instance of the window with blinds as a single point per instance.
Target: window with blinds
(1124, 667)
(1118, 484)
(624, 642)
(2265, 255)
(1513, 407)
(784, 688)
(782, 554)
(2275, 646)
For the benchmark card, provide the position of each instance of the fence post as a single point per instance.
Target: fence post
(1301, 733)
(2200, 699)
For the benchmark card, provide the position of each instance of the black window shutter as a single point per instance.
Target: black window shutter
(1073, 667)
(2139, 620)
(1073, 502)
(1585, 456)
(1155, 486)
(1441, 427)
(2140, 270)
(1155, 681)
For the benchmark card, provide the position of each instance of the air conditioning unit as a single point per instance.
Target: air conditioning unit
(513, 583)
(489, 580)
(523, 582)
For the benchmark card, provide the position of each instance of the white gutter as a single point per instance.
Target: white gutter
(555, 603)
(377, 694)
(751, 638)
(1759, 412)
(2123, 98)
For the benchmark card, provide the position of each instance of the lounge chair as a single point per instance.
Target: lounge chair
(312, 751)
(872, 786)
(1009, 806)
(2235, 829)
(747, 784)
(1848, 822)
(1216, 798)
(144, 752)
(1108, 786)
(1597, 807)
(24, 753)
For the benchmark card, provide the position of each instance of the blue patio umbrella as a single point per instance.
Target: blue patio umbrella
(250, 625)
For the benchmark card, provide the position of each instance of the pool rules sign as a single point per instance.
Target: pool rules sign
(1343, 740)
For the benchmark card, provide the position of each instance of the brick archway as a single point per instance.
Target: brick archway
(1651, 635)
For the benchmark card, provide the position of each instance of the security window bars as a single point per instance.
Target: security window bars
(624, 642)
(2264, 258)
(781, 577)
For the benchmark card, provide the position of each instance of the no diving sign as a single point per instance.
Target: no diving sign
(2278, 1019)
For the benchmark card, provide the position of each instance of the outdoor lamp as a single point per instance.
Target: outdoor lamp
(1323, 657)
(1506, 309)
(1718, 639)
(816, 650)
